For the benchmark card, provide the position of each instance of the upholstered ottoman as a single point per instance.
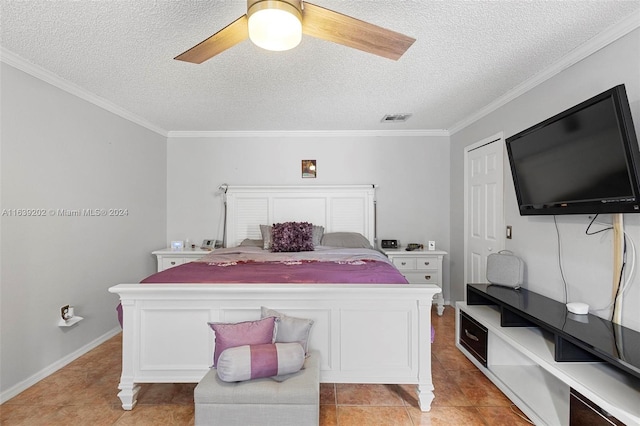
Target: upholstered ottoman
(295, 401)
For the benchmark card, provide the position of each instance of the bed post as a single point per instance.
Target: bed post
(425, 384)
(128, 389)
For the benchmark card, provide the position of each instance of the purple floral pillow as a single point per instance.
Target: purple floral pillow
(292, 236)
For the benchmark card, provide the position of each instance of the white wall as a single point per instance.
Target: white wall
(412, 175)
(61, 152)
(587, 260)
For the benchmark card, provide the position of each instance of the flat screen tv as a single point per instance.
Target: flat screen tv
(584, 160)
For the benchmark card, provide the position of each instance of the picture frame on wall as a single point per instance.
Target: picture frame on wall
(309, 168)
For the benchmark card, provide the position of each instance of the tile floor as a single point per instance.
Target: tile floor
(84, 393)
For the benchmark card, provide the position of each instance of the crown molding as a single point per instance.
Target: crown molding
(306, 133)
(598, 42)
(47, 76)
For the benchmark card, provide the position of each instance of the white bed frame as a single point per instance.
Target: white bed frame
(365, 333)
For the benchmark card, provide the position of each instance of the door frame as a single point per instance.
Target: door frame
(496, 137)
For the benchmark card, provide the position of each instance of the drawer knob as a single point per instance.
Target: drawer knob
(426, 263)
(427, 277)
(470, 335)
(403, 263)
(173, 262)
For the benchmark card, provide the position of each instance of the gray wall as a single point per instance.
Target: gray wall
(411, 172)
(587, 260)
(60, 152)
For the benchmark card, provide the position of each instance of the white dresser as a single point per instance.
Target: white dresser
(420, 267)
(168, 258)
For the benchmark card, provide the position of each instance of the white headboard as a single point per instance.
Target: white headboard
(339, 208)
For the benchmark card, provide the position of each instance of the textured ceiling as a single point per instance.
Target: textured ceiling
(467, 54)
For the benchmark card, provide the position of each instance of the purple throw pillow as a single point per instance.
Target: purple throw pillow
(292, 236)
(230, 335)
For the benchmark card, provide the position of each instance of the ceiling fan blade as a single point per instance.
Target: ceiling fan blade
(342, 29)
(227, 37)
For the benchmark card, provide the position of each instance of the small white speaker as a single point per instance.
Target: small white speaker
(506, 269)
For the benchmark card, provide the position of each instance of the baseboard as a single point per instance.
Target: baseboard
(45, 372)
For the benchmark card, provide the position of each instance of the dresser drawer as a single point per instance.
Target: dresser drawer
(473, 337)
(404, 262)
(423, 277)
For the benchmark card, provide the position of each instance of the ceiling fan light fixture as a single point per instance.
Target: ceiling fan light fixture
(275, 24)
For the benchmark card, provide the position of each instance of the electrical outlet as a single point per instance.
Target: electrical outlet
(509, 232)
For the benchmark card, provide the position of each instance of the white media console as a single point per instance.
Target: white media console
(516, 337)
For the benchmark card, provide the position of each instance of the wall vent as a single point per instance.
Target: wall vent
(395, 118)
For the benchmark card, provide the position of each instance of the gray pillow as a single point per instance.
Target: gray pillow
(290, 329)
(247, 242)
(345, 239)
(317, 231)
(265, 230)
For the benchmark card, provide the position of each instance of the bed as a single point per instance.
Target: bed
(368, 331)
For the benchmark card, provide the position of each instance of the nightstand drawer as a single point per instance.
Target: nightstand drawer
(423, 277)
(168, 258)
(425, 263)
(404, 262)
(170, 262)
(473, 337)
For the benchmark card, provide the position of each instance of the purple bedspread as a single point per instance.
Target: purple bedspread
(252, 265)
(255, 266)
(368, 271)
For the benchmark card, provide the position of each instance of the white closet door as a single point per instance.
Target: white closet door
(484, 205)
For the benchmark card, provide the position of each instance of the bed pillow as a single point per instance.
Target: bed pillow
(256, 361)
(252, 243)
(345, 239)
(290, 329)
(229, 335)
(265, 230)
(292, 237)
(318, 232)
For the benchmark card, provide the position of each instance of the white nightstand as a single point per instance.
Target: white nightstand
(420, 267)
(168, 258)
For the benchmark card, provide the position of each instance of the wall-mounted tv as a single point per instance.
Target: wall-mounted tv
(584, 160)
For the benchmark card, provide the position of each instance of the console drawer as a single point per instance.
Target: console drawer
(473, 337)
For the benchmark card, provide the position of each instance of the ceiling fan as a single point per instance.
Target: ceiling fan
(279, 24)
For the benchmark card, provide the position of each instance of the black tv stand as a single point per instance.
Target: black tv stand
(540, 355)
(576, 337)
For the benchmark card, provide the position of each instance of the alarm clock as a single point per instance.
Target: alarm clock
(389, 244)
